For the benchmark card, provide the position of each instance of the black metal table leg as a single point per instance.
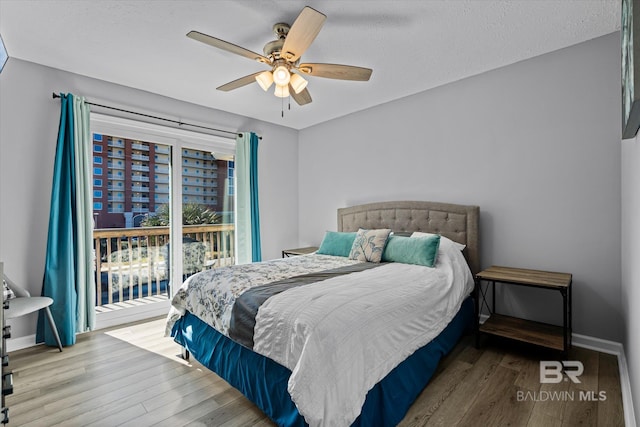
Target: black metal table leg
(476, 291)
(493, 291)
(565, 323)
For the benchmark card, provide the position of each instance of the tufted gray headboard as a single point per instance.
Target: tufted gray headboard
(459, 223)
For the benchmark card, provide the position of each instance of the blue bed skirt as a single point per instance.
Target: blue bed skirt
(264, 381)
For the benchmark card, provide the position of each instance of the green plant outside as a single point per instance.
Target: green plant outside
(192, 214)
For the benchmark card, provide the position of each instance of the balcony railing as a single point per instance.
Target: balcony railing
(140, 157)
(133, 263)
(120, 165)
(114, 155)
(193, 199)
(193, 173)
(192, 154)
(163, 160)
(116, 143)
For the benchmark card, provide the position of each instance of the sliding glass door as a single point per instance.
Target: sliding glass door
(146, 176)
(207, 210)
(131, 200)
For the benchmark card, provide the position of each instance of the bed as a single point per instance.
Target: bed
(354, 347)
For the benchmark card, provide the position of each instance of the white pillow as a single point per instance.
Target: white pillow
(443, 240)
(450, 257)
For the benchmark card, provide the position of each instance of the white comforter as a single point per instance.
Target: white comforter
(341, 336)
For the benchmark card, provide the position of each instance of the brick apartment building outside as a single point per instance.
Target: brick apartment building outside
(131, 179)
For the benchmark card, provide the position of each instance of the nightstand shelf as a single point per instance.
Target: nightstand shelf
(537, 333)
(528, 331)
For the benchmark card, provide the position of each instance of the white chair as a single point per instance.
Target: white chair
(24, 304)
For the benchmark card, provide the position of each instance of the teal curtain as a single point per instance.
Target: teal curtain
(68, 276)
(247, 204)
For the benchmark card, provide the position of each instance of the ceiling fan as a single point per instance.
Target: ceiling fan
(283, 56)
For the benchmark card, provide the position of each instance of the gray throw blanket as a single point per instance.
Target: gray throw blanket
(245, 308)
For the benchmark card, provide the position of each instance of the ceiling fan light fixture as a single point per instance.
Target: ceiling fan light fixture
(298, 83)
(281, 75)
(281, 91)
(265, 80)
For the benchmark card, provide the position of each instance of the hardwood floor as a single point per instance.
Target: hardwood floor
(499, 385)
(130, 376)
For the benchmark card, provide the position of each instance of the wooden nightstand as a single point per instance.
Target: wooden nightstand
(298, 251)
(542, 334)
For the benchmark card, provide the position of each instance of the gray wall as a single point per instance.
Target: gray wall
(536, 145)
(28, 131)
(630, 263)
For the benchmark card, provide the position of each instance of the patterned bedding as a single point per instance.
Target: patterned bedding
(338, 336)
(210, 295)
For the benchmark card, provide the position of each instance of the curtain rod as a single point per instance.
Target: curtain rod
(179, 123)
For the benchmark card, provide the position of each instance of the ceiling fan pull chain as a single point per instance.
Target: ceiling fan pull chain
(282, 107)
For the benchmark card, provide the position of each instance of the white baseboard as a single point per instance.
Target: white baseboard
(132, 314)
(19, 343)
(105, 319)
(625, 385)
(597, 344)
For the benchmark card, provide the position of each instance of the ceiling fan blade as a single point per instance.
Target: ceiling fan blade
(302, 33)
(229, 47)
(336, 71)
(302, 98)
(242, 81)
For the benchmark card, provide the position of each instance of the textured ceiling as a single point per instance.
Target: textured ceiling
(411, 46)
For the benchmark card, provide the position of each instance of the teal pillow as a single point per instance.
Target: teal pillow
(412, 250)
(336, 243)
